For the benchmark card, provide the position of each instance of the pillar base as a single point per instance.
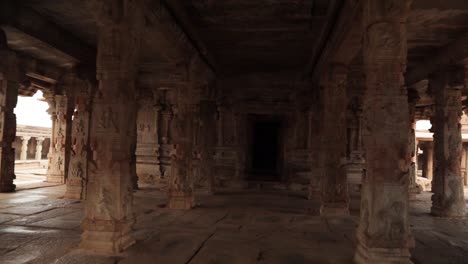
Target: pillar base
(334, 209)
(448, 212)
(7, 187)
(181, 200)
(74, 193)
(366, 255)
(106, 237)
(57, 178)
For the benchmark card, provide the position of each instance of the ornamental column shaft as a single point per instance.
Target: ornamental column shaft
(8, 99)
(109, 196)
(429, 159)
(181, 182)
(334, 188)
(78, 166)
(384, 234)
(447, 185)
(61, 112)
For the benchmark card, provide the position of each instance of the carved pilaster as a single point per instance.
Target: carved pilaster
(78, 166)
(447, 184)
(384, 234)
(108, 212)
(334, 188)
(165, 146)
(8, 99)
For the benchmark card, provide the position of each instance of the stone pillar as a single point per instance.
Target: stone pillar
(220, 126)
(39, 141)
(384, 234)
(447, 185)
(413, 188)
(207, 143)
(165, 147)
(180, 189)
(429, 159)
(108, 209)
(24, 147)
(78, 166)
(147, 151)
(334, 188)
(8, 99)
(61, 113)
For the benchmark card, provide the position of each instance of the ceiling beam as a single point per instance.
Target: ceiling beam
(454, 53)
(172, 37)
(343, 40)
(28, 25)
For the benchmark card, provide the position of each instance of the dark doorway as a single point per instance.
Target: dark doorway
(265, 150)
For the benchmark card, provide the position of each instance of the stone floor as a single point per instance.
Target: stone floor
(39, 226)
(31, 177)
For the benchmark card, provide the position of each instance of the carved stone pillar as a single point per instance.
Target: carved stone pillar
(220, 126)
(334, 188)
(147, 151)
(165, 147)
(108, 209)
(24, 147)
(207, 143)
(39, 141)
(180, 189)
(78, 166)
(384, 234)
(447, 185)
(61, 112)
(8, 99)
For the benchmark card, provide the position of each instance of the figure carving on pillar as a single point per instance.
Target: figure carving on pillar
(78, 176)
(24, 147)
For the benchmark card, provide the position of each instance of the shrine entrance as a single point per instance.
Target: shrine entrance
(265, 155)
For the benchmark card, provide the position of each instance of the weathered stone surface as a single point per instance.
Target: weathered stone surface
(8, 98)
(334, 187)
(108, 213)
(384, 234)
(80, 148)
(447, 183)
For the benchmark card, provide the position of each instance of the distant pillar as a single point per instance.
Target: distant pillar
(24, 147)
(448, 198)
(39, 141)
(429, 159)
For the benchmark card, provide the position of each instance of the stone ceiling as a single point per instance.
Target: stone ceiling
(261, 35)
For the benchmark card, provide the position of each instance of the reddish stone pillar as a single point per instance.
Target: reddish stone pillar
(108, 210)
(181, 183)
(78, 166)
(61, 112)
(429, 159)
(384, 234)
(334, 188)
(8, 99)
(447, 185)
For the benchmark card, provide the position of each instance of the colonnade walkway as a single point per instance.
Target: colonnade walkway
(40, 226)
